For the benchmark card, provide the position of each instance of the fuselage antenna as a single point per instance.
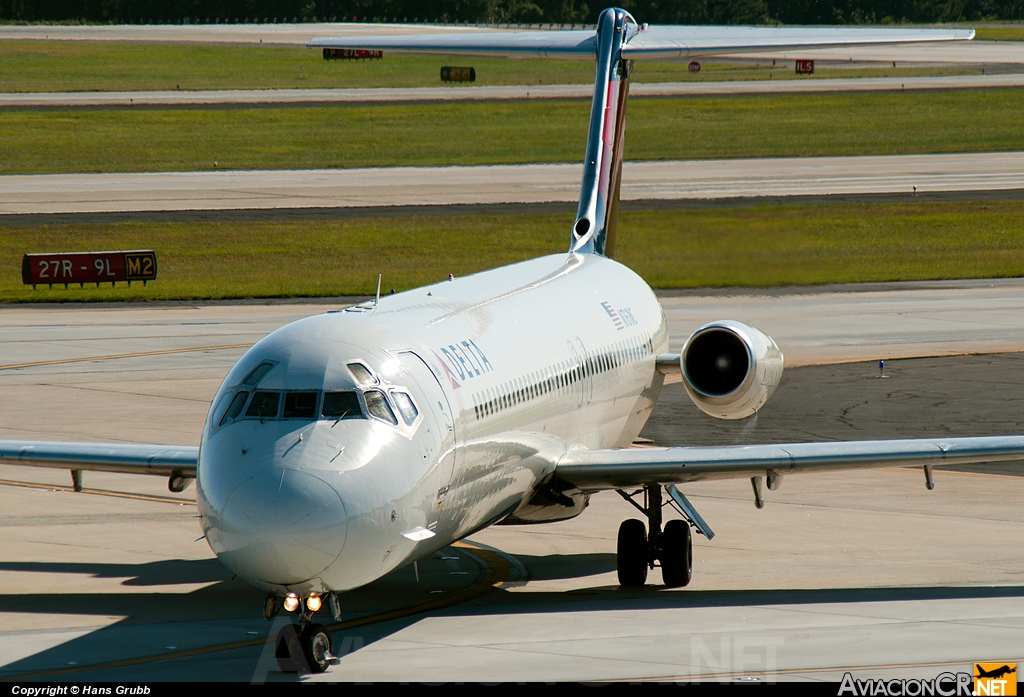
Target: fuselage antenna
(377, 300)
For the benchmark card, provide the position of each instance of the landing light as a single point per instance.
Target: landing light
(313, 603)
(291, 602)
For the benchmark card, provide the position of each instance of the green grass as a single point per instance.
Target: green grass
(506, 132)
(999, 34)
(743, 246)
(76, 66)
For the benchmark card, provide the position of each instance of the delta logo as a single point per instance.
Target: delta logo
(995, 679)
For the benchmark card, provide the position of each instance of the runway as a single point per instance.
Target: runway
(499, 184)
(865, 570)
(398, 95)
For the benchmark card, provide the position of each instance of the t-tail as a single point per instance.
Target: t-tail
(616, 44)
(597, 217)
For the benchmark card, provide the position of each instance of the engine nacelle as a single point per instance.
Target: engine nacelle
(729, 369)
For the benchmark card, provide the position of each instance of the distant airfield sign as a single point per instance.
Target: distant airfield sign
(804, 67)
(88, 267)
(694, 67)
(451, 73)
(351, 54)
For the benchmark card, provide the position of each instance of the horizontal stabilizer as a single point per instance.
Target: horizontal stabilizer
(643, 43)
(509, 44)
(665, 42)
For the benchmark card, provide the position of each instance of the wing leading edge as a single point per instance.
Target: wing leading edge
(130, 458)
(594, 470)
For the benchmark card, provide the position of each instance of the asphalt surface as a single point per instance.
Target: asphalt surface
(395, 95)
(866, 571)
(669, 180)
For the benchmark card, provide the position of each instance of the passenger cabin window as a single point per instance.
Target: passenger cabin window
(362, 374)
(264, 405)
(257, 373)
(300, 405)
(406, 407)
(235, 408)
(342, 405)
(377, 405)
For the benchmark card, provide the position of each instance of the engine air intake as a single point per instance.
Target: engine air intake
(717, 362)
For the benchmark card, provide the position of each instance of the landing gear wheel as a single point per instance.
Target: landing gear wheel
(631, 554)
(288, 650)
(316, 646)
(676, 554)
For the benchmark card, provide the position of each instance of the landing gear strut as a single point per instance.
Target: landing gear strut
(305, 647)
(641, 547)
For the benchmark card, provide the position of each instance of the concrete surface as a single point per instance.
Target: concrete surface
(868, 570)
(389, 95)
(411, 186)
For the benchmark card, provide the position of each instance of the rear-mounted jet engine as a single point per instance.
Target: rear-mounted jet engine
(729, 369)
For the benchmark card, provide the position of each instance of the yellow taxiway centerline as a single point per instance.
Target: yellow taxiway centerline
(111, 357)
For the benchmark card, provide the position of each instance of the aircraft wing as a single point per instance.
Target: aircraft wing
(160, 460)
(593, 470)
(650, 43)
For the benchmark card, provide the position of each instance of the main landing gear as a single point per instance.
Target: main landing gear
(304, 647)
(642, 547)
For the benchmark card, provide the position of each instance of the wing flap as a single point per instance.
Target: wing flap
(593, 470)
(131, 458)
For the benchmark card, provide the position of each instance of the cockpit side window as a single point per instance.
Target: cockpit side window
(300, 405)
(377, 405)
(406, 407)
(264, 405)
(342, 405)
(257, 373)
(362, 374)
(235, 408)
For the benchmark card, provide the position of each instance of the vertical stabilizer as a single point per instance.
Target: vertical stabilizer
(597, 217)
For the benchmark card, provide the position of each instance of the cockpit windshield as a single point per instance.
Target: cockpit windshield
(300, 405)
(264, 405)
(342, 405)
(378, 406)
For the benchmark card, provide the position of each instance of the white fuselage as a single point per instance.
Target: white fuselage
(507, 370)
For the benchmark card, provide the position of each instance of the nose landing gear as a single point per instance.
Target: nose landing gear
(641, 547)
(305, 647)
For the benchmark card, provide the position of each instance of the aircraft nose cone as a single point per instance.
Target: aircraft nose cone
(288, 526)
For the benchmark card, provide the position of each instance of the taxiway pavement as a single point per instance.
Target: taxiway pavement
(395, 95)
(498, 184)
(867, 570)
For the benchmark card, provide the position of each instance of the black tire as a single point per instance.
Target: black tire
(316, 648)
(676, 554)
(631, 554)
(288, 650)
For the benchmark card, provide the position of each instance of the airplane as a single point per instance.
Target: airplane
(996, 673)
(351, 443)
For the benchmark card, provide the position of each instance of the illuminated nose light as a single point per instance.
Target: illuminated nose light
(313, 603)
(291, 602)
